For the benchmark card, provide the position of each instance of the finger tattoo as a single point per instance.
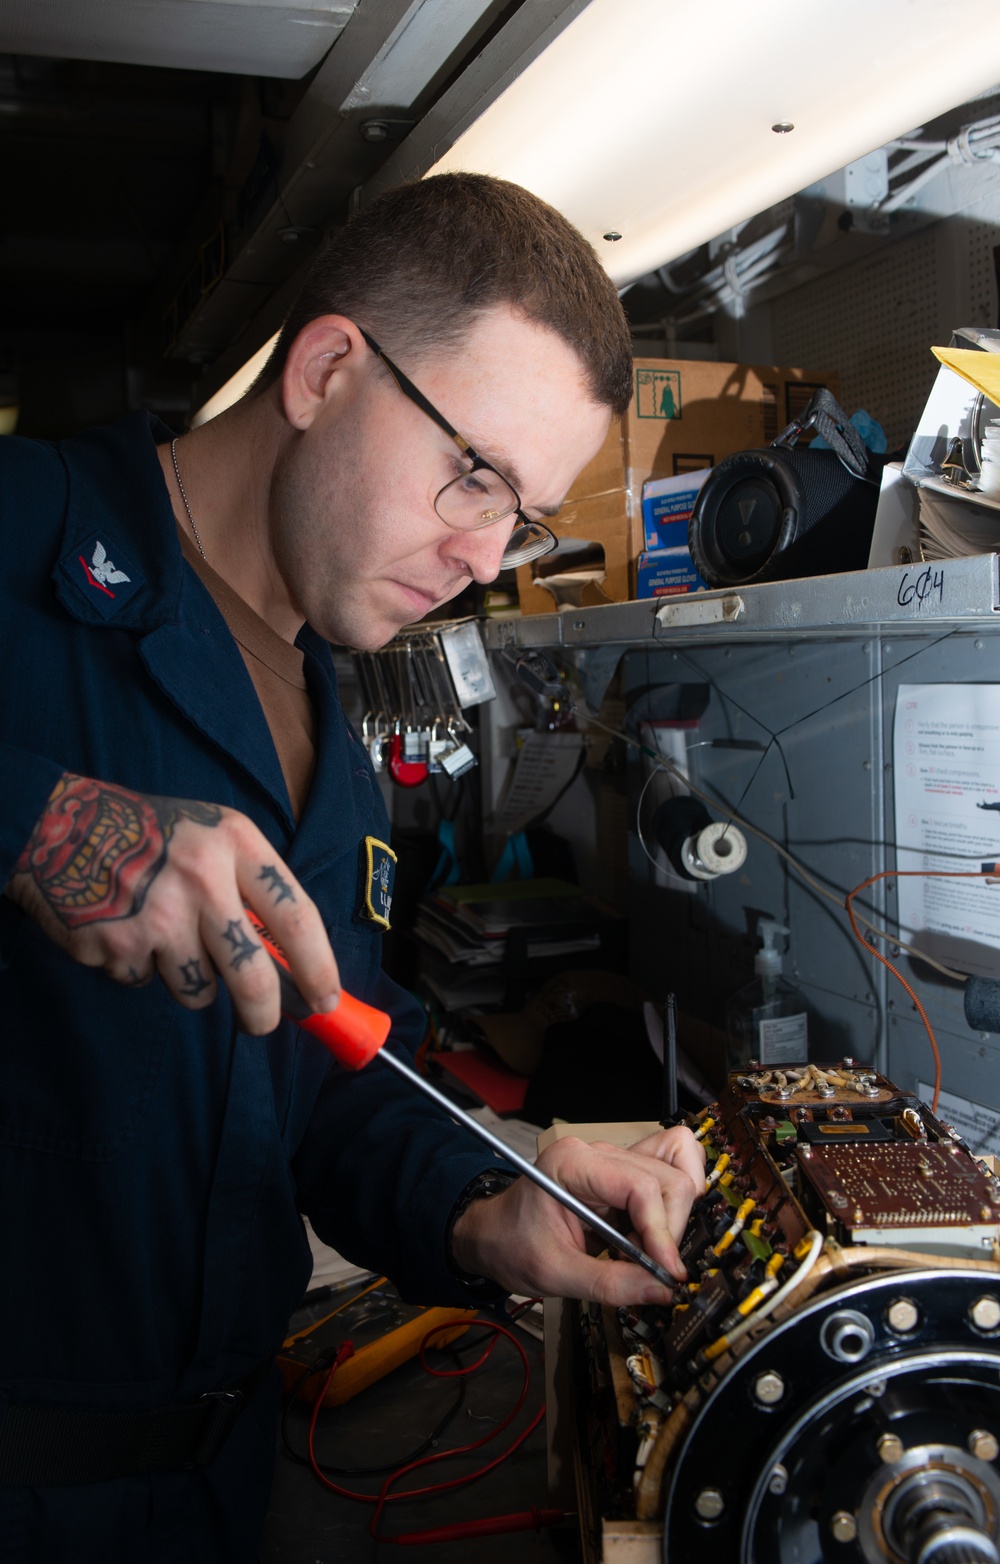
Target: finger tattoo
(195, 982)
(239, 941)
(277, 883)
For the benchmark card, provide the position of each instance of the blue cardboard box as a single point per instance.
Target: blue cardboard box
(668, 573)
(667, 504)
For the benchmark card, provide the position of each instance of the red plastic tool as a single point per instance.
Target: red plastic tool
(354, 1032)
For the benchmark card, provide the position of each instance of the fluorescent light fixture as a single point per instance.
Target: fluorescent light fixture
(235, 386)
(653, 120)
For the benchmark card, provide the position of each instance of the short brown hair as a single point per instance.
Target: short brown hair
(422, 261)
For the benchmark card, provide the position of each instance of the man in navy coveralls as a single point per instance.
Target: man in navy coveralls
(172, 749)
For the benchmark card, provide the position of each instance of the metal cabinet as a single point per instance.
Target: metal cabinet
(799, 681)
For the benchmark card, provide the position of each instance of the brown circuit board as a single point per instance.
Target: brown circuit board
(905, 1184)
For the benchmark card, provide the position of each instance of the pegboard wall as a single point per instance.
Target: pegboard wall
(874, 321)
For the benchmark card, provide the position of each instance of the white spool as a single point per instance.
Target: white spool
(720, 848)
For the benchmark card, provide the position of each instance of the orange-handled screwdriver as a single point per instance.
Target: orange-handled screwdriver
(355, 1032)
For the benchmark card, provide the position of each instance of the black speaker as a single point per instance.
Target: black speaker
(782, 512)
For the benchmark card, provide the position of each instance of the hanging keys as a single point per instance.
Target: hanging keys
(413, 724)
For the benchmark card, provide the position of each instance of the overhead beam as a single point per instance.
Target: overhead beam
(384, 67)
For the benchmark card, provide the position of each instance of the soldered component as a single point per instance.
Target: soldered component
(826, 1186)
(904, 1193)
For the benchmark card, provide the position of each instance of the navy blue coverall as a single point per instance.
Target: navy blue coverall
(154, 1161)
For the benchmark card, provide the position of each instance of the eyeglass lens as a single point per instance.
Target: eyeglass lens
(528, 541)
(476, 499)
(481, 497)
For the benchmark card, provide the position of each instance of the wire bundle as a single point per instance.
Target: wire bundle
(393, 1473)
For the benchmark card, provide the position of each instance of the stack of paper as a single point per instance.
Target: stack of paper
(465, 931)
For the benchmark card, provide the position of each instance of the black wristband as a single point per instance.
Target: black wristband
(491, 1182)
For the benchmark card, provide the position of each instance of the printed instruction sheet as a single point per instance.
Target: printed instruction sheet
(978, 1125)
(946, 753)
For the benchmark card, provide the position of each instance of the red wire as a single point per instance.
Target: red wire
(456, 1482)
(384, 1496)
(898, 874)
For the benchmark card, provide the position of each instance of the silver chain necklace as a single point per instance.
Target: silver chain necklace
(177, 475)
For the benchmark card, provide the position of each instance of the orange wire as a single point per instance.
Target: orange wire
(898, 874)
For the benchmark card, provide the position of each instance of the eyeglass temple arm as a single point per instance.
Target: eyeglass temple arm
(410, 390)
(416, 396)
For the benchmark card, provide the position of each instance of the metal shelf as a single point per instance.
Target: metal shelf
(907, 600)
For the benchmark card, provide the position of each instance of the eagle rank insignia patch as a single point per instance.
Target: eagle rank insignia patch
(105, 578)
(378, 873)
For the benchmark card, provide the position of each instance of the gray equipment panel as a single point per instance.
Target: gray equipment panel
(809, 671)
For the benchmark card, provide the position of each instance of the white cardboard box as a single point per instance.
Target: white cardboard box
(947, 415)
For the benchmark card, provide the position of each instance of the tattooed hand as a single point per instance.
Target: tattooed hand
(138, 884)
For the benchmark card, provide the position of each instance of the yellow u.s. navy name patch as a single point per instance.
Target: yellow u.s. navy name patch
(378, 872)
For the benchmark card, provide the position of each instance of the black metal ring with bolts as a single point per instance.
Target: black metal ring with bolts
(861, 1430)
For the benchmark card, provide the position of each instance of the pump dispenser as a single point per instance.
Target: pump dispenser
(767, 1020)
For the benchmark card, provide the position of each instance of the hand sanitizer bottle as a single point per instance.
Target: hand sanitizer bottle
(767, 1020)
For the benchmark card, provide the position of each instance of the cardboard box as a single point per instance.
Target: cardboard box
(600, 519)
(668, 572)
(686, 415)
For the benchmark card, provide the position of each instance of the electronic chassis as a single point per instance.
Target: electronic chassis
(826, 1386)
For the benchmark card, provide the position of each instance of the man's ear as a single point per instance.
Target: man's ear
(322, 361)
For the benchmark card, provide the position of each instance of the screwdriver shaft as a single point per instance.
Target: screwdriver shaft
(605, 1229)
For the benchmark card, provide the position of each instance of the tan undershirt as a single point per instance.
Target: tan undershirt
(277, 671)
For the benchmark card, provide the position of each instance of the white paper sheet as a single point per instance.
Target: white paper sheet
(543, 766)
(978, 1125)
(946, 752)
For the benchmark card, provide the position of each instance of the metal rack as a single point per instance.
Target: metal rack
(911, 599)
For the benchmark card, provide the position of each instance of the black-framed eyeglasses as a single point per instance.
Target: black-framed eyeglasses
(481, 496)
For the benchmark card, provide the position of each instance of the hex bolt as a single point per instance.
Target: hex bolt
(709, 1504)
(769, 1388)
(890, 1448)
(778, 1480)
(843, 1526)
(982, 1444)
(985, 1312)
(902, 1316)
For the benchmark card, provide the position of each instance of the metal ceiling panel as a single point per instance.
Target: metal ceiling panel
(245, 37)
(667, 123)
